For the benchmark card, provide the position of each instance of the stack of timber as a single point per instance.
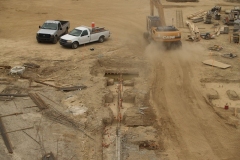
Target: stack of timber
(197, 17)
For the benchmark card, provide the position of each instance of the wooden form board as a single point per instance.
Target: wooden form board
(214, 63)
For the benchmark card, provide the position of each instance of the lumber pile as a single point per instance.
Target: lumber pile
(198, 14)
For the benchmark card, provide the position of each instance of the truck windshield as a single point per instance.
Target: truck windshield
(52, 26)
(75, 32)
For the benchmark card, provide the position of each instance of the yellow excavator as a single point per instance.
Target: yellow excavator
(157, 30)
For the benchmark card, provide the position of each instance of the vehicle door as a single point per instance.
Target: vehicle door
(84, 37)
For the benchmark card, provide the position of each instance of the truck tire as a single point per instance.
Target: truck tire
(101, 39)
(75, 45)
(55, 40)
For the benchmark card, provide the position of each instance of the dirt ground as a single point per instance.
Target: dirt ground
(173, 109)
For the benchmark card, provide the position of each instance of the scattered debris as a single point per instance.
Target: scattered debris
(5, 67)
(17, 70)
(73, 88)
(48, 156)
(226, 106)
(229, 55)
(13, 95)
(216, 48)
(31, 65)
(13, 114)
(214, 63)
(78, 110)
(207, 36)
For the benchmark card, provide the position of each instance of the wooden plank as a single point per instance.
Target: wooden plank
(5, 137)
(214, 63)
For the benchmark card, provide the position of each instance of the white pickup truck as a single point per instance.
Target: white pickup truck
(83, 35)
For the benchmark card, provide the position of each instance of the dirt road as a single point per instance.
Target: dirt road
(192, 128)
(189, 126)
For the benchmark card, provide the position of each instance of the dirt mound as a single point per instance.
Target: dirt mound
(232, 95)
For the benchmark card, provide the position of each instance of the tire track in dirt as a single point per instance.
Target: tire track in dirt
(198, 132)
(222, 139)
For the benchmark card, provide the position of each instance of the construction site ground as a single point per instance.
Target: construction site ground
(173, 104)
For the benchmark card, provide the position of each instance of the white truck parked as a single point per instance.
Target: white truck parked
(83, 35)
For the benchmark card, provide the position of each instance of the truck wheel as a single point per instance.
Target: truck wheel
(101, 39)
(38, 41)
(75, 45)
(55, 40)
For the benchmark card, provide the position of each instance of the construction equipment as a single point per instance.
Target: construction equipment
(157, 30)
(232, 16)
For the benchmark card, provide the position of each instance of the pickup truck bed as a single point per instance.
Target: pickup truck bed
(62, 22)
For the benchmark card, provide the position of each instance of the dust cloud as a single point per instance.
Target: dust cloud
(188, 52)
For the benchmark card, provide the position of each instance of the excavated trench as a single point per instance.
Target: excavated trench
(132, 134)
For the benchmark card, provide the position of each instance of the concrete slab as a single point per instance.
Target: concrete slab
(214, 63)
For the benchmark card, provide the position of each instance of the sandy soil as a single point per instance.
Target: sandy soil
(172, 87)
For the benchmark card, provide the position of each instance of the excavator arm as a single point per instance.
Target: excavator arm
(158, 5)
